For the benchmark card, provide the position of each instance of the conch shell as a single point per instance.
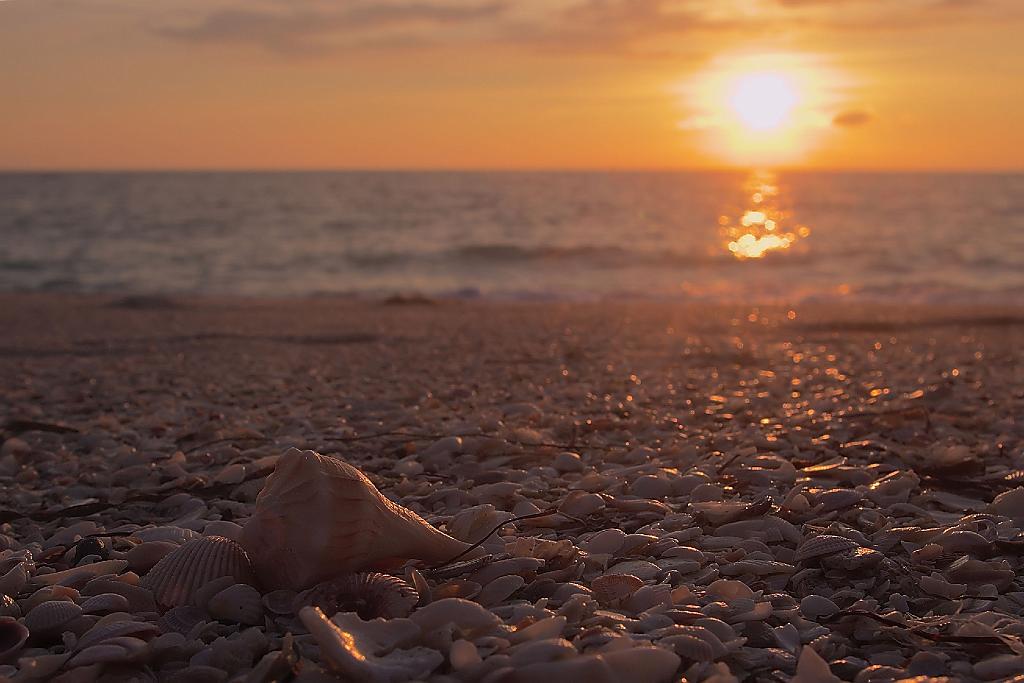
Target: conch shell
(317, 518)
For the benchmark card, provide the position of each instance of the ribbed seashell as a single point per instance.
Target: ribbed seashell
(611, 587)
(181, 619)
(690, 647)
(370, 595)
(46, 594)
(318, 517)
(13, 635)
(139, 599)
(240, 603)
(116, 626)
(175, 579)
(51, 616)
(106, 602)
(823, 544)
(113, 651)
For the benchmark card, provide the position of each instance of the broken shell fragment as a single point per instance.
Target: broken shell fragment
(362, 657)
(318, 517)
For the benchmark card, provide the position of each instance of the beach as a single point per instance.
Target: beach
(756, 491)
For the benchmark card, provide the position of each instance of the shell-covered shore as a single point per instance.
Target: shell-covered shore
(707, 494)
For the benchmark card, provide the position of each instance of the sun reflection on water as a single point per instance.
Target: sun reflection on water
(762, 225)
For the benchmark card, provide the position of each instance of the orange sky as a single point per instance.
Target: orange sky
(920, 84)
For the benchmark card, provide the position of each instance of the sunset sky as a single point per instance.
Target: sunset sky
(859, 84)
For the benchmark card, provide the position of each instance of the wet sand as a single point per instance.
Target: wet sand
(682, 420)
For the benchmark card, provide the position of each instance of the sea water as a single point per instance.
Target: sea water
(718, 236)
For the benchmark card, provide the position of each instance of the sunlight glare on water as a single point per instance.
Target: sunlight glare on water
(762, 225)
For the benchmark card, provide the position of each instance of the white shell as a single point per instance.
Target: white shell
(466, 615)
(319, 517)
(365, 656)
(176, 578)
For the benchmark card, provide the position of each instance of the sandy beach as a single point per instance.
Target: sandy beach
(763, 493)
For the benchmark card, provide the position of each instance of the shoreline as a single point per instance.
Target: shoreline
(697, 457)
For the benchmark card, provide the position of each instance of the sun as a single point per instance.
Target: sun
(763, 101)
(761, 109)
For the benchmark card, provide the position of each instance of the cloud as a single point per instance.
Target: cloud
(852, 118)
(618, 28)
(310, 27)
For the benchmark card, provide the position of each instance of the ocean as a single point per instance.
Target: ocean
(756, 237)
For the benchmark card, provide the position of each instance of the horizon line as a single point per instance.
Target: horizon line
(513, 169)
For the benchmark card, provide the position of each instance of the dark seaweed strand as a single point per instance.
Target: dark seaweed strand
(542, 513)
(919, 630)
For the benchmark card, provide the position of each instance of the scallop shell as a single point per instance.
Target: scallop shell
(823, 544)
(240, 603)
(176, 578)
(115, 650)
(13, 635)
(119, 627)
(318, 517)
(106, 602)
(50, 616)
(611, 587)
(181, 619)
(369, 595)
(690, 647)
